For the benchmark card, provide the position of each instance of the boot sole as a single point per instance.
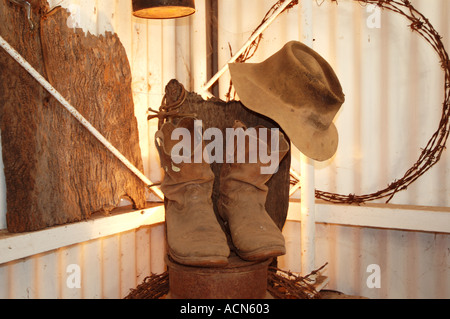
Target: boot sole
(263, 253)
(213, 261)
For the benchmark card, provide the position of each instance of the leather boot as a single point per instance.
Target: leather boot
(243, 193)
(194, 235)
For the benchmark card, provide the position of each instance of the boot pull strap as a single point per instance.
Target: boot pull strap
(169, 111)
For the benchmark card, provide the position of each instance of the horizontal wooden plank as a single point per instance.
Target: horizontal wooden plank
(415, 218)
(16, 246)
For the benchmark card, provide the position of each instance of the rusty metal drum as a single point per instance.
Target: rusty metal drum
(239, 280)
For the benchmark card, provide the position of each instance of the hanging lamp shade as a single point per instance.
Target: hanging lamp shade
(163, 9)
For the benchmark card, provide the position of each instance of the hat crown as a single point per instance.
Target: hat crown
(305, 81)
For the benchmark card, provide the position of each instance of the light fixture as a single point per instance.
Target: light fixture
(163, 9)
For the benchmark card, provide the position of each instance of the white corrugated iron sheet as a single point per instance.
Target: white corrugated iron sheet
(394, 91)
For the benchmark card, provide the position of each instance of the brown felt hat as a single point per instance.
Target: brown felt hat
(299, 90)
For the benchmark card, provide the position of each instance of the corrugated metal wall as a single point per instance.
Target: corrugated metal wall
(104, 268)
(393, 85)
(110, 266)
(394, 91)
(412, 264)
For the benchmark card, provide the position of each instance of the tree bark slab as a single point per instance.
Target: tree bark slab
(56, 171)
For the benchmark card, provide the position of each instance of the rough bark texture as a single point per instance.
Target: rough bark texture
(219, 114)
(56, 171)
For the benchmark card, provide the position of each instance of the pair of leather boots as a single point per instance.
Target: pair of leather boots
(194, 235)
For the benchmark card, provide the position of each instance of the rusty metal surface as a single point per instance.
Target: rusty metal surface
(239, 280)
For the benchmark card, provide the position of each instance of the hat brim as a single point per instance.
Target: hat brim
(316, 144)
